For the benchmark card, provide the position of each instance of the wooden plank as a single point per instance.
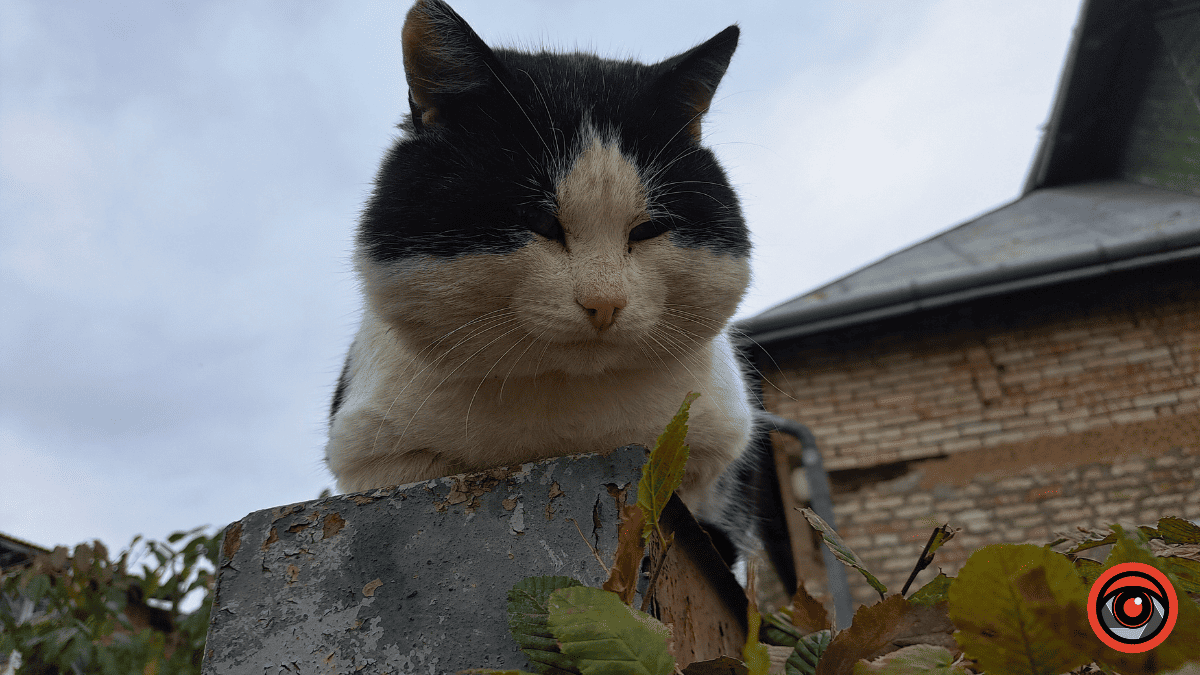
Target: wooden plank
(697, 596)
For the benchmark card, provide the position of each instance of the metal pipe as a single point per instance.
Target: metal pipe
(822, 503)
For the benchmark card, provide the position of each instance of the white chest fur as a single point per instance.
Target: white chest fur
(405, 419)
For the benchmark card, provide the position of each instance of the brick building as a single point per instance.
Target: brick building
(1036, 368)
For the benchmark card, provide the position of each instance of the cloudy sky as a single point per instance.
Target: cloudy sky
(179, 183)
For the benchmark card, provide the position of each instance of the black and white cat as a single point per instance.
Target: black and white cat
(549, 259)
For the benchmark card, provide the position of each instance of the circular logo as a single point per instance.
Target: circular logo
(1132, 607)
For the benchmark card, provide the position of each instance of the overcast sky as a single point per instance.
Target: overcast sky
(179, 184)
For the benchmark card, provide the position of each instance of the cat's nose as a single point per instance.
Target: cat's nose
(602, 311)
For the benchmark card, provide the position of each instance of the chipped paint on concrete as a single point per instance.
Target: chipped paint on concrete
(412, 579)
(517, 522)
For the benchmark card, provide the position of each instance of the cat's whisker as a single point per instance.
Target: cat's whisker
(660, 169)
(674, 135)
(702, 194)
(691, 328)
(434, 363)
(481, 317)
(702, 319)
(696, 360)
(503, 315)
(666, 145)
(650, 334)
(500, 396)
(554, 130)
(482, 380)
(664, 186)
(695, 325)
(682, 335)
(443, 381)
(653, 352)
(538, 366)
(520, 107)
(741, 336)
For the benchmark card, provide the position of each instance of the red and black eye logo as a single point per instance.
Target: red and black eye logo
(1132, 607)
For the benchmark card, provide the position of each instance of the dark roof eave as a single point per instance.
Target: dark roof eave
(1041, 157)
(998, 281)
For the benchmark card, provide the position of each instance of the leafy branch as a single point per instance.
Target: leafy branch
(661, 477)
(78, 611)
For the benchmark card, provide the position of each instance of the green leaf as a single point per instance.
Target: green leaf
(1093, 543)
(757, 657)
(754, 653)
(807, 653)
(933, 592)
(841, 551)
(1179, 531)
(925, 659)
(39, 586)
(1089, 570)
(604, 637)
(528, 611)
(1186, 570)
(663, 474)
(941, 535)
(1015, 606)
(777, 629)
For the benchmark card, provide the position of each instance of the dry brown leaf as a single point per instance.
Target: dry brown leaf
(808, 614)
(627, 561)
(881, 629)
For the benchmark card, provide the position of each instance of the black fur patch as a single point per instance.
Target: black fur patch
(339, 394)
(476, 163)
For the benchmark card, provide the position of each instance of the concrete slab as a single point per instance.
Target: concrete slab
(411, 579)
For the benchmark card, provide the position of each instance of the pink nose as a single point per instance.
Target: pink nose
(602, 311)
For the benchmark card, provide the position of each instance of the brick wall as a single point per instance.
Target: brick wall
(1048, 409)
(888, 523)
(929, 392)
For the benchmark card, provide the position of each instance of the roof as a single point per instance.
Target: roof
(15, 551)
(1050, 236)
(1115, 185)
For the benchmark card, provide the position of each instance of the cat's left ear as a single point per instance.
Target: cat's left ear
(444, 61)
(690, 79)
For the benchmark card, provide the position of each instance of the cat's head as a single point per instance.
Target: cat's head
(552, 212)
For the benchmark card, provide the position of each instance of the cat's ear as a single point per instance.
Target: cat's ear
(443, 60)
(690, 79)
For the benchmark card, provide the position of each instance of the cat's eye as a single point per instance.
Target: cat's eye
(647, 230)
(547, 225)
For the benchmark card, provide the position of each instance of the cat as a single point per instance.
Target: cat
(550, 259)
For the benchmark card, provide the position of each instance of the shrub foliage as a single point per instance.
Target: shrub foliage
(80, 612)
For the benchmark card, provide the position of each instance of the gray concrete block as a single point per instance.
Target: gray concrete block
(411, 579)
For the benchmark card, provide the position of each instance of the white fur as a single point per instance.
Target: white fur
(486, 360)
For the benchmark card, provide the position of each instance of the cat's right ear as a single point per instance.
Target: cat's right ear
(690, 79)
(444, 60)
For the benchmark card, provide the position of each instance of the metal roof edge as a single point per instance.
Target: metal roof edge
(888, 256)
(1041, 157)
(914, 297)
